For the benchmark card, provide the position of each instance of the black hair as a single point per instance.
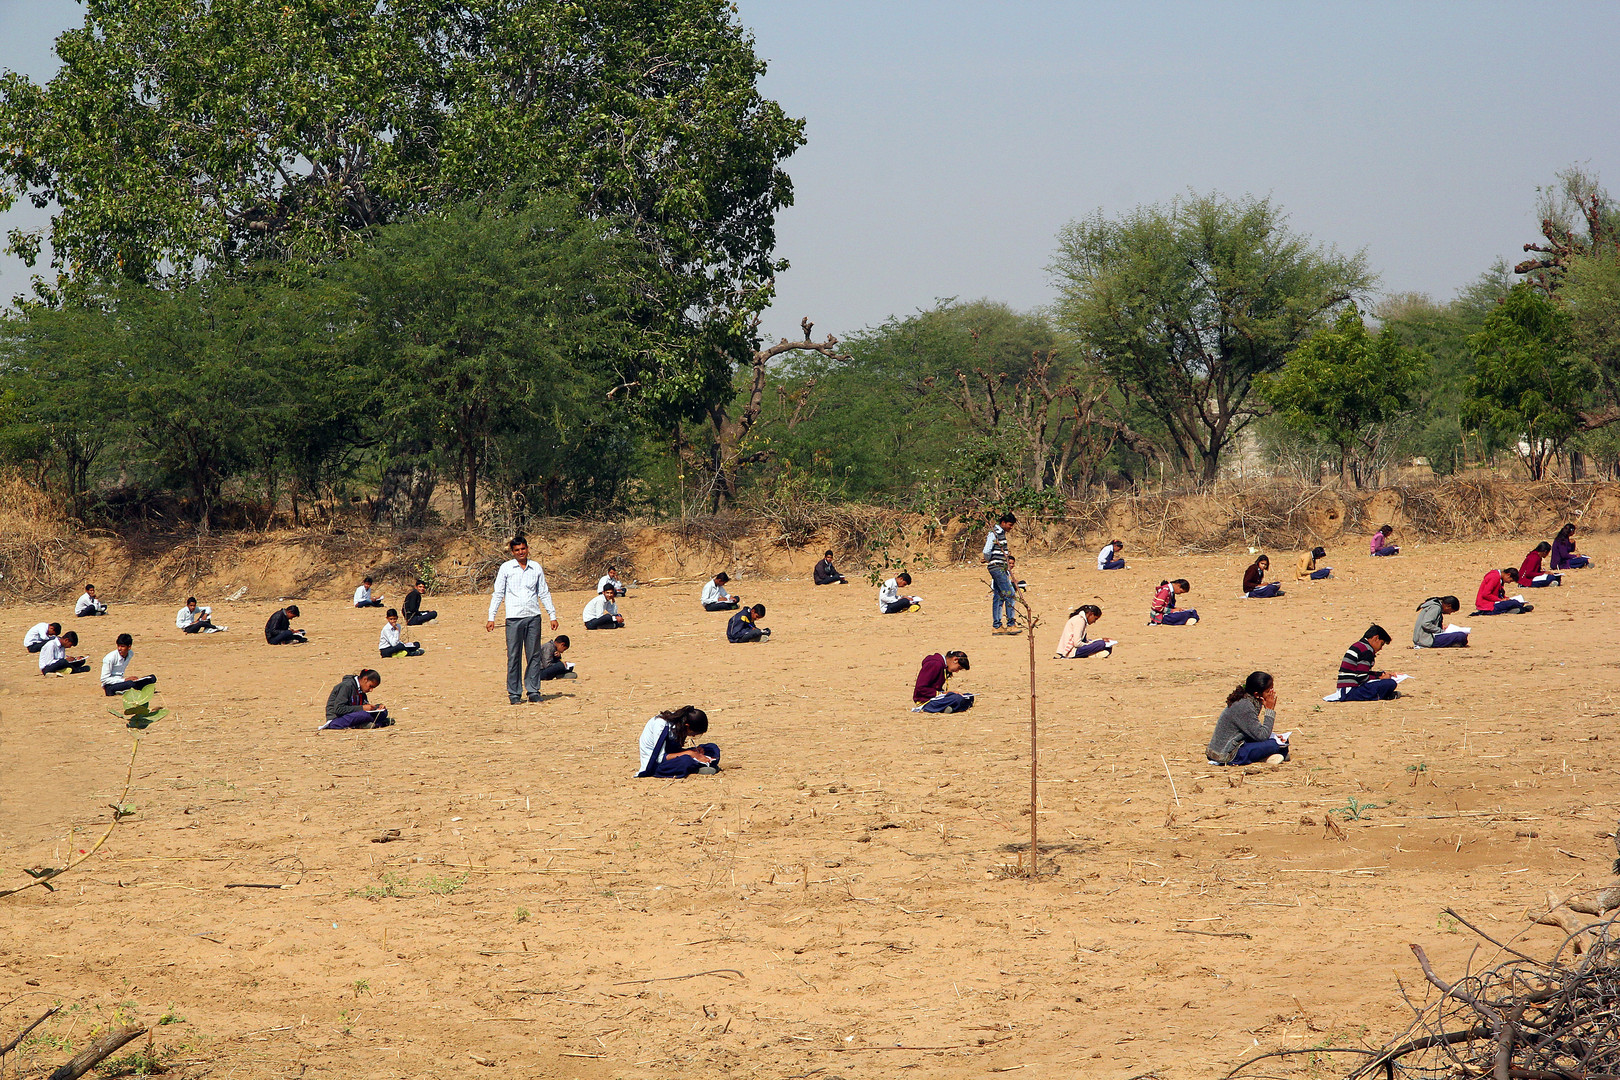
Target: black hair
(292, 610)
(1256, 684)
(419, 581)
(370, 673)
(70, 638)
(610, 589)
(191, 599)
(903, 578)
(960, 657)
(365, 581)
(1007, 518)
(391, 614)
(1092, 608)
(53, 626)
(516, 540)
(1443, 601)
(722, 577)
(1544, 547)
(562, 639)
(1186, 586)
(1566, 531)
(688, 720)
(828, 555)
(1511, 573)
(1258, 559)
(1318, 552)
(758, 610)
(1386, 529)
(88, 586)
(124, 639)
(1117, 543)
(1376, 631)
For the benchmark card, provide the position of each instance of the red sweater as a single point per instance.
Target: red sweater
(931, 679)
(1530, 569)
(1490, 591)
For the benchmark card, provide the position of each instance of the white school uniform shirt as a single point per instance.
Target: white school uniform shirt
(390, 637)
(53, 651)
(1105, 556)
(362, 595)
(523, 590)
(600, 605)
(113, 666)
(37, 633)
(609, 579)
(714, 594)
(185, 616)
(889, 593)
(652, 743)
(87, 603)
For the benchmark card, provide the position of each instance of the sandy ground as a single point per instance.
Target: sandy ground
(838, 902)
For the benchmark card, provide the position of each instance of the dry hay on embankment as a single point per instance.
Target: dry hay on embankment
(46, 555)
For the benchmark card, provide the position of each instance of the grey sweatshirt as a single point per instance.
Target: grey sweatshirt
(1430, 621)
(1239, 722)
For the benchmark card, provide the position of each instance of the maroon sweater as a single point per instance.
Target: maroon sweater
(931, 679)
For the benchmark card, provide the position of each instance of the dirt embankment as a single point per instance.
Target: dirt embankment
(44, 555)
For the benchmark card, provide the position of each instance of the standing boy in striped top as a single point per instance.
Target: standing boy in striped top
(1003, 593)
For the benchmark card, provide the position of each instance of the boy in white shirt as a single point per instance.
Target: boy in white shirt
(363, 597)
(602, 613)
(389, 645)
(611, 578)
(890, 602)
(88, 605)
(192, 619)
(40, 633)
(1110, 557)
(115, 664)
(54, 658)
(715, 597)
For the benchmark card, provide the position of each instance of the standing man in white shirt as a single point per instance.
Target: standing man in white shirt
(521, 585)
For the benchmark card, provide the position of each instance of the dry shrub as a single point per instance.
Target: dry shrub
(36, 538)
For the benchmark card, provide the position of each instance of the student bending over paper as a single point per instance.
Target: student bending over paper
(1075, 644)
(664, 752)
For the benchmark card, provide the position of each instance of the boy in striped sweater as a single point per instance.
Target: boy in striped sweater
(1358, 681)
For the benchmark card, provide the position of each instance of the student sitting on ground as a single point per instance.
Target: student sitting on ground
(1243, 732)
(363, 597)
(602, 612)
(389, 646)
(1109, 558)
(1563, 550)
(348, 706)
(1306, 567)
(192, 619)
(279, 629)
(1074, 644)
(115, 664)
(1530, 573)
(744, 626)
(1357, 679)
(664, 752)
(1430, 631)
(826, 573)
(1254, 581)
(891, 602)
(715, 597)
(611, 578)
(931, 694)
(88, 605)
(1380, 543)
(54, 658)
(1163, 610)
(39, 634)
(1492, 598)
(414, 615)
(552, 664)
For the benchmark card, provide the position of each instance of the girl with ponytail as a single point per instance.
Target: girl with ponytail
(1243, 733)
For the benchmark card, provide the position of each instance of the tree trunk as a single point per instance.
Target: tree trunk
(469, 490)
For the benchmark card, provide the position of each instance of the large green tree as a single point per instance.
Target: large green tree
(1348, 387)
(181, 135)
(1187, 304)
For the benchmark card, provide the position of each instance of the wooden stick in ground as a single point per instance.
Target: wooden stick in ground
(1030, 622)
(1172, 780)
(101, 1047)
(23, 1034)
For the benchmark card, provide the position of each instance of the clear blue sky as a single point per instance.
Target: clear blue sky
(948, 141)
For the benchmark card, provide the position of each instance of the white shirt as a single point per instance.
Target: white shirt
(185, 616)
(362, 595)
(88, 603)
(714, 594)
(113, 665)
(37, 633)
(390, 637)
(609, 579)
(600, 605)
(1104, 556)
(889, 593)
(523, 589)
(53, 651)
(652, 742)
